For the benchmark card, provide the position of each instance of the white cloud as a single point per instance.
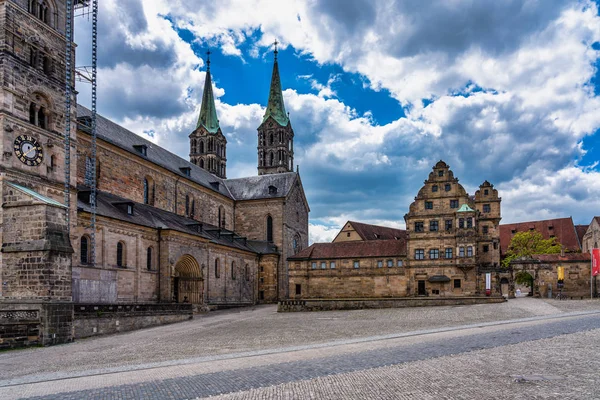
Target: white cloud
(521, 68)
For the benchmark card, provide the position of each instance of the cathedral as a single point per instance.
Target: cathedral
(166, 229)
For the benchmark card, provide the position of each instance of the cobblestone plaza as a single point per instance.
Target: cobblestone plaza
(525, 347)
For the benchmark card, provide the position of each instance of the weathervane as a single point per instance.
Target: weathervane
(208, 59)
(275, 43)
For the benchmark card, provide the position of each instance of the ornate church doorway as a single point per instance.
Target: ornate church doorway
(188, 283)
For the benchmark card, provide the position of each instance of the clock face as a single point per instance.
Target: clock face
(28, 150)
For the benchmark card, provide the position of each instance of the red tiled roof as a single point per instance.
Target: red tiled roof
(562, 228)
(376, 232)
(581, 230)
(565, 257)
(369, 248)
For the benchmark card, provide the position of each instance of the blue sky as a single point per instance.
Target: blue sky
(377, 93)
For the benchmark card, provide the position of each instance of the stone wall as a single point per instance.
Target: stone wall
(576, 282)
(36, 253)
(359, 304)
(295, 232)
(122, 173)
(345, 281)
(102, 319)
(27, 323)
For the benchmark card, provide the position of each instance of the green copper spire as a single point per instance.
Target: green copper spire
(275, 106)
(208, 113)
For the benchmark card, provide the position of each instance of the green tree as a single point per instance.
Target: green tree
(526, 244)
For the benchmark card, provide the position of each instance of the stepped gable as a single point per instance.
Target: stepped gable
(115, 134)
(369, 248)
(562, 228)
(377, 232)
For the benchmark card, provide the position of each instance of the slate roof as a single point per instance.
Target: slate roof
(562, 228)
(36, 195)
(108, 205)
(581, 230)
(208, 113)
(369, 248)
(275, 104)
(257, 187)
(125, 139)
(249, 188)
(376, 232)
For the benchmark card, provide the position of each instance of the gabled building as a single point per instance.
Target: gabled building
(451, 235)
(354, 231)
(563, 229)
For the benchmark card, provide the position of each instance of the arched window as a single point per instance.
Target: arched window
(272, 159)
(269, 228)
(233, 270)
(39, 114)
(187, 205)
(84, 250)
(193, 146)
(296, 243)
(146, 191)
(120, 254)
(201, 163)
(271, 139)
(149, 259)
(32, 113)
(202, 147)
(217, 269)
(52, 162)
(42, 118)
(247, 272)
(221, 222)
(40, 9)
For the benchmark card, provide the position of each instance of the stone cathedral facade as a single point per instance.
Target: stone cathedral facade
(167, 229)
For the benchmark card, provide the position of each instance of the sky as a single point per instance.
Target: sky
(377, 91)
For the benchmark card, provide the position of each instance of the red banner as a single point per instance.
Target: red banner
(595, 262)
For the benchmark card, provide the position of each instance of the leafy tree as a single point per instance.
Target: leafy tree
(526, 244)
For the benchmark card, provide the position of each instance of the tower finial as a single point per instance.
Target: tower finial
(275, 43)
(208, 60)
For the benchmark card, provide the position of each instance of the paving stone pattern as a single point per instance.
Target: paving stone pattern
(258, 377)
(234, 331)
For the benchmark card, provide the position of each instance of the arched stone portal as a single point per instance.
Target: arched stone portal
(187, 281)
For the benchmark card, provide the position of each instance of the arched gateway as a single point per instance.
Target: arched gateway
(187, 281)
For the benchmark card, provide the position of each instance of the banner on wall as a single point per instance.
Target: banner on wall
(488, 283)
(595, 262)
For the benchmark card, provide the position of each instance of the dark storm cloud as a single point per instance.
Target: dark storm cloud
(407, 28)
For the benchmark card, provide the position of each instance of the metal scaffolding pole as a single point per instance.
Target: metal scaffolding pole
(68, 96)
(80, 8)
(93, 145)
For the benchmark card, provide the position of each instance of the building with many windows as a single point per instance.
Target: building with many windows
(451, 235)
(166, 229)
(451, 240)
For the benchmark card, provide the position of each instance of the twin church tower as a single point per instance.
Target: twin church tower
(275, 134)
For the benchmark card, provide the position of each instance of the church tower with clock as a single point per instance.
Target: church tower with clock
(35, 258)
(275, 133)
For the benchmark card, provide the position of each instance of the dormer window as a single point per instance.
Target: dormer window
(187, 171)
(272, 189)
(130, 209)
(142, 149)
(215, 185)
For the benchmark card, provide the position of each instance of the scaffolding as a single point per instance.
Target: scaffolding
(88, 9)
